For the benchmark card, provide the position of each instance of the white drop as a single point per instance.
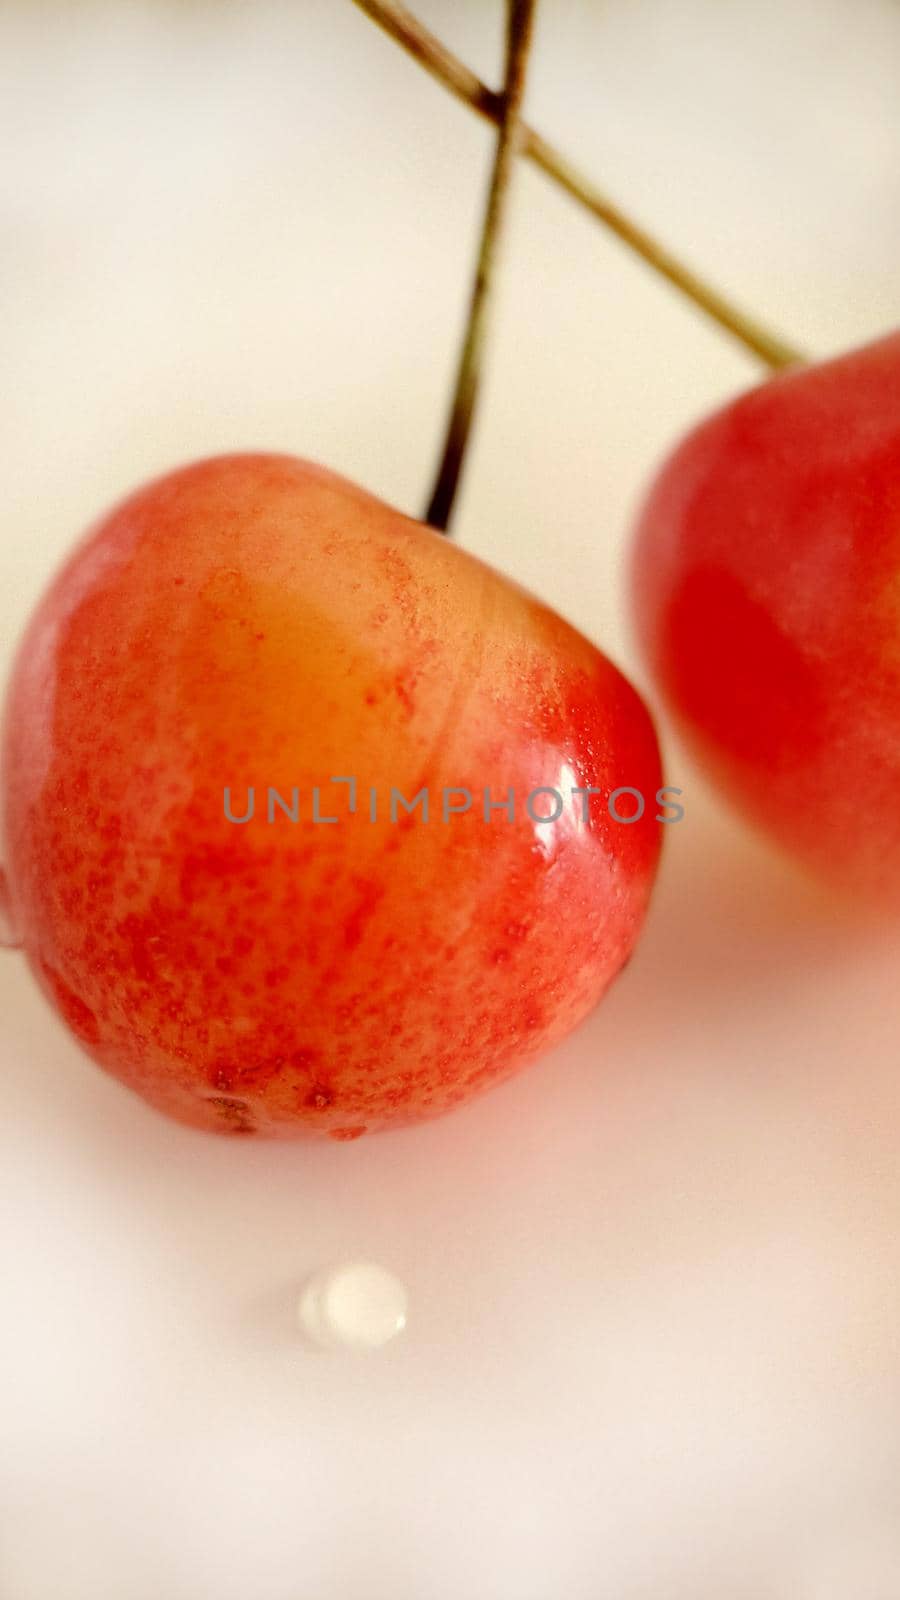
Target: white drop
(357, 1305)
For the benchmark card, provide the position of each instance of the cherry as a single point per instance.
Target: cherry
(766, 579)
(254, 623)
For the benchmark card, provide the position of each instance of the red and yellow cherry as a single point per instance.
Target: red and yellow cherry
(766, 579)
(256, 623)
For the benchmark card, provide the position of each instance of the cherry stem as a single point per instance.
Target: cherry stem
(428, 50)
(519, 31)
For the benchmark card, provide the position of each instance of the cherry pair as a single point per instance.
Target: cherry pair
(257, 614)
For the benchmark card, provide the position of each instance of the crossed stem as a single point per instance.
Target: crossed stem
(520, 21)
(517, 137)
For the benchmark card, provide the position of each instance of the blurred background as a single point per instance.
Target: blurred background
(655, 1282)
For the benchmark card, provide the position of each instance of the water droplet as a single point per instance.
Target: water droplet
(357, 1305)
(10, 938)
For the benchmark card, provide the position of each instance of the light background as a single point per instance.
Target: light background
(653, 1351)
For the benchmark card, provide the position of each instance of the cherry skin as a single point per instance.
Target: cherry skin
(254, 621)
(766, 579)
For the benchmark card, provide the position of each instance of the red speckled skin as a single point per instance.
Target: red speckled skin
(254, 620)
(766, 580)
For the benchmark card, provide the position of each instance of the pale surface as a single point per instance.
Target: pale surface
(654, 1352)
